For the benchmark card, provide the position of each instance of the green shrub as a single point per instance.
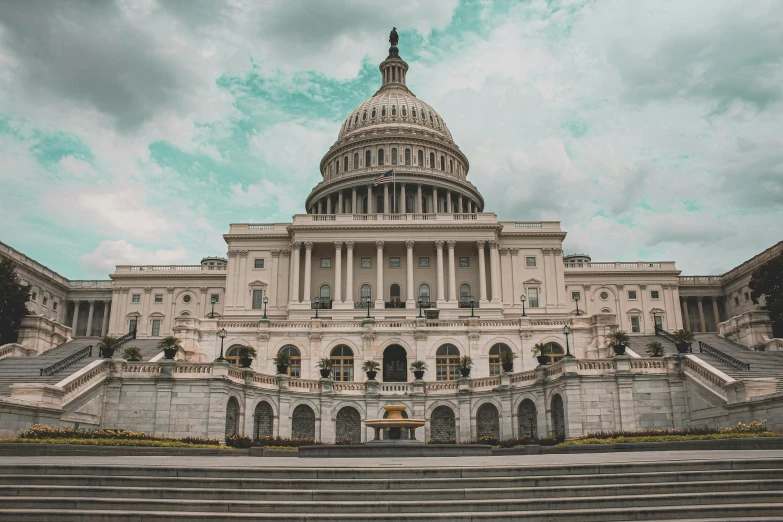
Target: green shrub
(164, 443)
(132, 354)
(667, 438)
(285, 442)
(238, 441)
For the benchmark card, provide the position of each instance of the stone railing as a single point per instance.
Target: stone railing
(485, 382)
(236, 374)
(84, 379)
(707, 374)
(700, 280)
(440, 386)
(362, 219)
(592, 366)
(15, 350)
(649, 365)
(622, 266)
(32, 264)
(304, 384)
(348, 387)
(394, 388)
(524, 378)
(169, 268)
(94, 284)
(137, 368)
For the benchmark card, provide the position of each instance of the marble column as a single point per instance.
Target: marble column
(320, 207)
(75, 320)
(340, 208)
(418, 199)
(338, 271)
(439, 252)
(105, 322)
(89, 318)
(411, 302)
(686, 320)
(349, 271)
(386, 208)
(354, 208)
(308, 270)
(329, 204)
(274, 291)
(460, 208)
(435, 209)
(452, 271)
(700, 304)
(379, 292)
(482, 272)
(716, 313)
(448, 202)
(296, 253)
(494, 276)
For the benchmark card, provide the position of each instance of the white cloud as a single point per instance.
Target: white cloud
(108, 254)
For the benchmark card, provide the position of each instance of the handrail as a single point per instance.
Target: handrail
(65, 362)
(125, 338)
(660, 332)
(723, 357)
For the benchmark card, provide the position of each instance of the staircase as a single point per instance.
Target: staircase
(722, 489)
(27, 369)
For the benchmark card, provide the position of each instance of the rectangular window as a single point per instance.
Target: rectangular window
(635, 324)
(575, 296)
(155, 327)
(258, 263)
(136, 298)
(654, 294)
(532, 297)
(747, 297)
(464, 262)
(45, 300)
(158, 298)
(736, 301)
(424, 262)
(326, 262)
(366, 262)
(658, 321)
(394, 262)
(34, 296)
(530, 262)
(258, 299)
(132, 326)
(54, 305)
(214, 298)
(632, 295)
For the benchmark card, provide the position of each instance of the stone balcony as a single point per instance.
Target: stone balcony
(621, 266)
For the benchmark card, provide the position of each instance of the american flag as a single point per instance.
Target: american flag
(386, 177)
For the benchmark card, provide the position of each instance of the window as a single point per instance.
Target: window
(379, 204)
(367, 158)
(420, 157)
(326, 262)
(54, 305)
(337, 166)
(356, 160)
(135, 298)
(447, 363)
(747, 297)
(185, 314)
(155, 327)
(364, 116)
(632, 295)
(380, 156)
(45, 300)
(214, 298)
(232, 354)
(464, 262)
(394, 156)
(451, 166)
(404, 110)
(394, 110)
(413, 112)
(407, 156)
(394, 262)
(186, 298)
(736, 301)
(464, 293)
(295, 366)
(383, 111)
(658, 321)
(424, 262)
(345, 164)
(158, 298)
(394, 293)
(342, 360)
(530, 262)
(408, 203)
(443, 163)
(424, 293)
(432, 160)
(635, 324)
(373, 114)
(258, 263)
(494, 358)
(34, 296)
(654, 294)
(532, 297)
(575, 296)
(556, 352)
(604, 296)
(258, 299)
(366, 262)
(132, 326)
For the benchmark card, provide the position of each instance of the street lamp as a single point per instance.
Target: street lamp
(137, 317)
(213, 301)
(567, 331)
(266, 300)
(317, 305)
(222, 333)
(472, 304)
(576, 300)
(367, 302)
(421, 305)
(523, 298)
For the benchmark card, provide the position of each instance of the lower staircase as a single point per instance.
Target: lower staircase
(742, 489)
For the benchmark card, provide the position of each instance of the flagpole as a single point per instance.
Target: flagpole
(394, 188)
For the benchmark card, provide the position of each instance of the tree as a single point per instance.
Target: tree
(767, 281)
(13, 301)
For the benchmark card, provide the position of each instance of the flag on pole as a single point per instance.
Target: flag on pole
(386, 177)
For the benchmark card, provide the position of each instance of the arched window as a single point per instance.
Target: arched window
(383, 111)
(367, 158)
(424, 293)
(432, 160)
(447, 363)
(404, 111)
(345, 164)
(431, 119)
(337, 166)
(464, 293)
(366, 292)
(325, 293)
(413, 112)
(263, 419)
(558, 416)
(232, 416)
(364, 116)
(527, 417)
(394, 156)
(495, 367)
(394, 110)
(442, 163)
(373, 114)
(185, 314)
(451, 167)
(342, 360)
(356, 119)
(295, 366)
(556, 352)
(394, 293)
(423, 205)
(407, 156)
(232, 355)
(379, 204)
(380, 156)
(420, 157)
(355, 160)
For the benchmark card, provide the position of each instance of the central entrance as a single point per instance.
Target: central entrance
(395, 362)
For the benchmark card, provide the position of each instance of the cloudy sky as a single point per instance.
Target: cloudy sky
(136, 131)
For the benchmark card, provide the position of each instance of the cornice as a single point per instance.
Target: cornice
(169, 275)
(389, 226)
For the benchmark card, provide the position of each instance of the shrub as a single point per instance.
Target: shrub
(465, 362)
(280, 441)
(346, 442)
(41, 431)
(542, 349)
(682, 336)
(325, 363)
(418, 366)
(371, 366)
(654, 349)
(247, 352)
(238, 441)
(132, 354)
(162, 443)
(282, 359)
(170, 343)
(618, 337)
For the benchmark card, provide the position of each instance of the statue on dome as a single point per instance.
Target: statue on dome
(394, 37)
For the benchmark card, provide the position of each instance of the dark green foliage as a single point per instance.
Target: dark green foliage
(767, 281)
(238, 441)
(13, 301)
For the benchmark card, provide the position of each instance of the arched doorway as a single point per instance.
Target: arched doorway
(395, 362)
(263, 419)
(526, 416)
(558, 416)
(232, 417)
(303, 422)
(487, 421)
(443, 426)
(348, 425)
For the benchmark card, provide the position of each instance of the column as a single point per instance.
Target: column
(716, 313)
(460, 208)
(273, 283)
(349, 272)
(494, 276)
(338, 271)
(75, 320)
(452, 271)
(418, 198)
(295, 255)
(439, 252)
(448, 202)
(105, 323)
(409, 269)
(386, 207)
(515, 272)
(505, 270)
(369, 199)
(329, 204)
(700, 304)
(401, 204)
(89, 318)
(686, 321)
(340, 208)
(354, 208)
(482, 273)
(308, 270)
(241, 296)
(320, 207)
(145, 312)
(434, 200)
(379, 293)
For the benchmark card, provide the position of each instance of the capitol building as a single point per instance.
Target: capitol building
(395, 259)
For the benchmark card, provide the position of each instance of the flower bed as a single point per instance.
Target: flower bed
(163, 443)
(739, 430)
(505, 443)
(108, 437)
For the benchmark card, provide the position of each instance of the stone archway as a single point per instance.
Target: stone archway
(487, 421)
(348, 425)
(395, 364)
(443, 425)
(232, 416)
(526, 416)
(558, 416)
(303, 422)
(263, 420)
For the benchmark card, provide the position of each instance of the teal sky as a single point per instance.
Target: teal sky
(135, 132)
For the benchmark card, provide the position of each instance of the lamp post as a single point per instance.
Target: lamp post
(212, 313)
(576, 300)
(567, 331)
(421, 305)
(137, 316)
(222, 333)
(266, 300)
(472, 304)
(523, 298)
(367, 302)
(317, 305)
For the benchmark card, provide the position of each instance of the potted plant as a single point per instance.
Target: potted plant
(107, 346)
(170, 346)
(542, 352)
(131, 354)
(418, 368)
(325, 366)
(246, 355)
(682, 340)
(371, 369)
(507, 360)
(465, 364)
(654, 349)
(618, 340)
(282, 360)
